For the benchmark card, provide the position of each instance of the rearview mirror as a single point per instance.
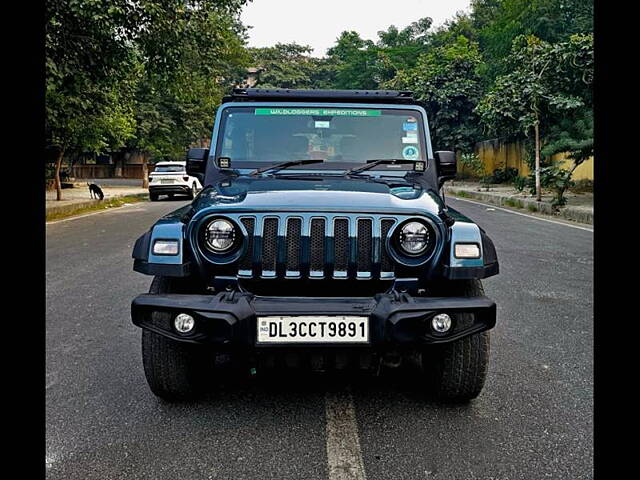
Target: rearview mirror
(446, 165)
(197, 162)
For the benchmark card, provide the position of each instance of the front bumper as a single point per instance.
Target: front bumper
(229, 318)
(165, 189)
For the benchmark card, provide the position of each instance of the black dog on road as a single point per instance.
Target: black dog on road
(95, 191)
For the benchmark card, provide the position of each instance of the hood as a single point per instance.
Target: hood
(320, 193)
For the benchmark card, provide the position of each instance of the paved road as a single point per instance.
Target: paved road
(532, 421)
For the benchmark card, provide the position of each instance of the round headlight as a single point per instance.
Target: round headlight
(414, 238)
(220, 235)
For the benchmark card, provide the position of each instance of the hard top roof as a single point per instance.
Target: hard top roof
(330, 96)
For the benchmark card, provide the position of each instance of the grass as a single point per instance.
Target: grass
(103, 205)
(510, 202)
(461, 193)
(532, 208)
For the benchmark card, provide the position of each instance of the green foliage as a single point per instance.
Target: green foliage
(499, 22)
(140, 74)
(447, 81)
(503, 175)
(283, 66)
(520, 183)
(193, 56)
(355, 62)
(473, 163)
(549, 87)
(90, 74)
(558, 180)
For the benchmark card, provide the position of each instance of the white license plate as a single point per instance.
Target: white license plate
(166, 181)
(313, 329)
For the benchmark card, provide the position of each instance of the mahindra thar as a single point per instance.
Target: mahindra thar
(320, 241)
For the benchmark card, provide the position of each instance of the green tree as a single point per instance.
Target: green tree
(193, 51)
(499, 22)
(447, 81)
(547, 82)
(91, 72)
(355, 61)
(285, 65)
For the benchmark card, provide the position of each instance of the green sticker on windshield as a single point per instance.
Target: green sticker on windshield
(335, 112)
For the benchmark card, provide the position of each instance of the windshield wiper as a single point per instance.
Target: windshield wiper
(373, 163)
(280, 166)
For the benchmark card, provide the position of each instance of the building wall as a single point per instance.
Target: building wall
(496, 154)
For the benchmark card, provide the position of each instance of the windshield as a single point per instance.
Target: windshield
(169, 168)
(342, 137)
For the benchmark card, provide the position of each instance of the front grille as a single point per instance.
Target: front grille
(290, 246)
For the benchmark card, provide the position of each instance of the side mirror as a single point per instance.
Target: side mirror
(446, 165)
(197, 162)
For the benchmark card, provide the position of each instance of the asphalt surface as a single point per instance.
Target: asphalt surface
(533, 419)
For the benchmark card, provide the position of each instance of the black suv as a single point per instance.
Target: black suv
(320, 240)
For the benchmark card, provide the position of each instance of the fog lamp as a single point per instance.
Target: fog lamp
(184, 323)
(441, 323)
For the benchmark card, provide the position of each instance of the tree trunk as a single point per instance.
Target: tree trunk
(56, 176)
(538, 189)
(145, 170)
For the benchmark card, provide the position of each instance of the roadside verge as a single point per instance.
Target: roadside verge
(575, 214)
(74, 208)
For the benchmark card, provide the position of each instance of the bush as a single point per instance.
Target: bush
(520, 183)
(554, 178)
(472, 162)
(504, 175)
(582, 186)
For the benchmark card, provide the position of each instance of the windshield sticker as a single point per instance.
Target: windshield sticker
(409, 139)
(409, 126)
(410, 153)
(323, 124)
(336, 112)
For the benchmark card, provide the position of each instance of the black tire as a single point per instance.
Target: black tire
(153, 197)
(457, 370)
(193, 191)
(174, 370)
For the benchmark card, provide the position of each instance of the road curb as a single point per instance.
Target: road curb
(513, 201)
(76, 206)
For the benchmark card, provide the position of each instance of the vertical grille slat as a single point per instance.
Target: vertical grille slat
(269, 244)
(385, 264)
(245, 262)
(364, 243)
(341, 244)
(316, 246)
(294, 232)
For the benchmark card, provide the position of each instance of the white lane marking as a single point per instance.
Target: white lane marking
(343, 446)
(523, 214)
(110, 209)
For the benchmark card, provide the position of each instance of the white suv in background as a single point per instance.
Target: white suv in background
(169, 178)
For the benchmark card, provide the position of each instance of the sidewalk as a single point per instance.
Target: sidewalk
(579, 207)
(79, 197)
